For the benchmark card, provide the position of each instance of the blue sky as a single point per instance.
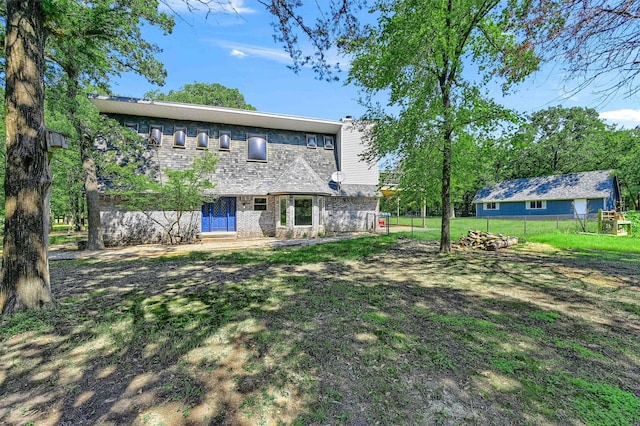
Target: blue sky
(236, 49)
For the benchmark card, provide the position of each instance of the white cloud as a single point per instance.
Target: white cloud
(238, 53)
(250, 50)
(626, 118)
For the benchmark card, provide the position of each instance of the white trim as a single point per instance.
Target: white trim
(543, 204)
(486, 206)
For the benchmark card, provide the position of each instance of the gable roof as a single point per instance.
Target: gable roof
(596, 184)
(300, 178)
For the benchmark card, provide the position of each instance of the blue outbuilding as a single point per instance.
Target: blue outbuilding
(570, 195)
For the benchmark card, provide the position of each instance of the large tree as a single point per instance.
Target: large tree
(24, 280)
(561, 140)
(417, 54)
(213, 94)
(88, 43)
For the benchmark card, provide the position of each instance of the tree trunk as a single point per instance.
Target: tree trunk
(445, 236)
(24, 281)
(94, 237)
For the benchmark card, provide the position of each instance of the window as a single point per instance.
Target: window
(257, 148)
(536, 205)
(328, 142)
(259, 204)
(225, 141)
(320, 211)
(132, 126)
(202, 139)
(312, 141)
(303, 211)
(283, 211)
(180, 137)
(492, 206)
(155, 135)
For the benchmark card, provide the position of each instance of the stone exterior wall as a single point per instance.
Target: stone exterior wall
(255, 223)
(121, 227)
(350, 214)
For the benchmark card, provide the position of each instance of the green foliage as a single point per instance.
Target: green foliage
(174, 192)
(561, 140)
(213, 94)
(416, 55)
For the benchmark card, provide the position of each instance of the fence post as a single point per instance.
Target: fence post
(487, 225)
(557, 222)
(411, 226)
(525, 227)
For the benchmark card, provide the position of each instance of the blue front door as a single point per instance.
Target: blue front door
(219, 216)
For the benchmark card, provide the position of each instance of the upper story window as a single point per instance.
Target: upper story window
(180, 137)
(259, 204)
(225, 140)
(257, 148)
(328, 142)
(312, 141)
(536, 205)
(202, 139)
(492, 206)
(155, 135)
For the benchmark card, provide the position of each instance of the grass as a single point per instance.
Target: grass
(377, 330)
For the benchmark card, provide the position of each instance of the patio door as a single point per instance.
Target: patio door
(219, 216)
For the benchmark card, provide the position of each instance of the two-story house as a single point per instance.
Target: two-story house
(277, 175)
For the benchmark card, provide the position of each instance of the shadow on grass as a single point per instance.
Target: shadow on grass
(360, 332)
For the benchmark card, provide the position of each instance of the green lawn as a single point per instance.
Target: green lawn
(376, 330)
(517, 228)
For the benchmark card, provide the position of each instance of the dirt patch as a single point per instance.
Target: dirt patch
(405, 336)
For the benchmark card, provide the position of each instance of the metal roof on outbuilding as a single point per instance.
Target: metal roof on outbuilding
(596, 184)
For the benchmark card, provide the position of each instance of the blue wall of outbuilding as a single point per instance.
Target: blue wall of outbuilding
(554, 208)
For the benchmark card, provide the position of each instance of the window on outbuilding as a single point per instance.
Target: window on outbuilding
(492, 206)
(259, 204)
(536, 205)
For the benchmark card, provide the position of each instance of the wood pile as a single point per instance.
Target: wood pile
(486, 241)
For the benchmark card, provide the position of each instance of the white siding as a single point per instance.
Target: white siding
(350, 147)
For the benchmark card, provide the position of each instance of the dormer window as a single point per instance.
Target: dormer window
(312, 141)
(225, 141)
(180, 137)
(328, 142)
(202, 139)
(155, 135)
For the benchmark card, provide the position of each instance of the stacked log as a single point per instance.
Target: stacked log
(486, 241)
